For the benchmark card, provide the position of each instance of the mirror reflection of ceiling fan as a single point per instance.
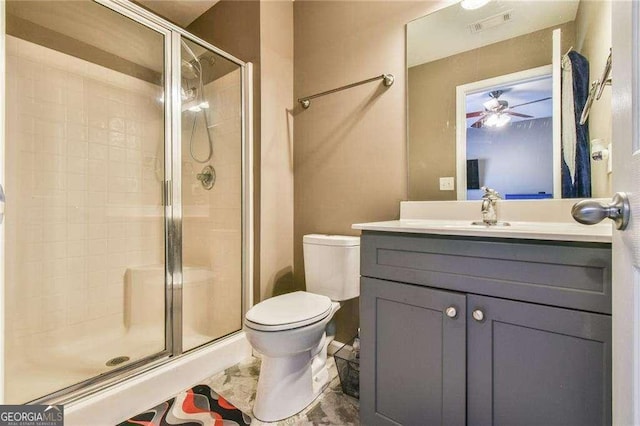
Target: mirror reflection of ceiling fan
(497, 112)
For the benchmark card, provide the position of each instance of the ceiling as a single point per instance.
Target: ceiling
(181, 12)
(447, 31)
(516, 94)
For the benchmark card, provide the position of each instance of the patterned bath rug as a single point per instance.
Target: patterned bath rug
(198, 406)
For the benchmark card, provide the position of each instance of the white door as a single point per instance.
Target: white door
(626, 243)
(2, 143)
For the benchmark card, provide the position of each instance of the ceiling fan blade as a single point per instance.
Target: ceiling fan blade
(531, 102)
(475, 114)
(478, 124)
(517, 114)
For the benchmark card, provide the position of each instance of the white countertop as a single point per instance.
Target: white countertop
(557, 231)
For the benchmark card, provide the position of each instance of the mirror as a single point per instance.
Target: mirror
(496, 95)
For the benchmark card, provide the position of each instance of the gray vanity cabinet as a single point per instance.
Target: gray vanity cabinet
(415, 344)
(529, 342)
(529, 364)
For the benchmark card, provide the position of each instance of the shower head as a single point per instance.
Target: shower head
(195, 100)
(189, 71)
(193, 68)
(209, 58)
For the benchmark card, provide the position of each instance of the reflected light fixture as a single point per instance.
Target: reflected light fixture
(491, 121)
(503, 119)
(473, 4)
(497, 120)
(491, 104)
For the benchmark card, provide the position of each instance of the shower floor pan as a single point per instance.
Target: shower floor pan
(35, 373)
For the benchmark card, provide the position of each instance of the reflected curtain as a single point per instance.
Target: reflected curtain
(576, 162)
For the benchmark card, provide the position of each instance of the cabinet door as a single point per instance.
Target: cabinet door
(412, 369)
(529, 364)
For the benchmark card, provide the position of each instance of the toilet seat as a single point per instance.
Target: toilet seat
(288, 311)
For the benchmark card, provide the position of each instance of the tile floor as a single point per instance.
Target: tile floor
(238, 385)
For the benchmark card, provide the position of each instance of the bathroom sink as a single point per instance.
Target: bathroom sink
(436, 223)
(452, 224)
(563, 231)
(498, 224)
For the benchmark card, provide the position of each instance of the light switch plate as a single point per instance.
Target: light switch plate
(447, 184)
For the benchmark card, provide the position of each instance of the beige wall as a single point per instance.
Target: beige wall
(593, 40)
(432, 102)
(276, 189)
(350, 147)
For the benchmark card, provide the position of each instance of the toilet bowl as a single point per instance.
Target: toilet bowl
(293, 371)
(292, 331)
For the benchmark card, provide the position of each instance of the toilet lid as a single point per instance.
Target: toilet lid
(288, 311)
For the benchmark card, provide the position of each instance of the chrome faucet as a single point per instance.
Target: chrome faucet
(490, 206)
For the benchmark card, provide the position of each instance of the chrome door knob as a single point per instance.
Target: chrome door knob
(478, 315)
(590, 212)
(451, 312)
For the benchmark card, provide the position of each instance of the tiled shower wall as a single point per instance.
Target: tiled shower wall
(84, 171)
(84, 174)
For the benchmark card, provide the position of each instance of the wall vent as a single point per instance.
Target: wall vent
(491, 22)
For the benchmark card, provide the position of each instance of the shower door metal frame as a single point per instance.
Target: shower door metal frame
(173, 157)
(172, 200)
(172, 230)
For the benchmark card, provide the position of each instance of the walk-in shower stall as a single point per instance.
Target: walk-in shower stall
(125, 174)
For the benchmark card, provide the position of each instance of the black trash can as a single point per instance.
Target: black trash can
(348, 366)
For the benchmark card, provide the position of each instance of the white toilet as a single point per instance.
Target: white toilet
(291, 333)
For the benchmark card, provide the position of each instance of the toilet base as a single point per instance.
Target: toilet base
(287, 385)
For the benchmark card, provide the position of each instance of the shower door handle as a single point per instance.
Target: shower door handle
(2, 199)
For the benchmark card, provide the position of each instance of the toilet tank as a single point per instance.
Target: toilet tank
(332, 265)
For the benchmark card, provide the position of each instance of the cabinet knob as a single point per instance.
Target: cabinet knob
(478, 315)
(451, 312)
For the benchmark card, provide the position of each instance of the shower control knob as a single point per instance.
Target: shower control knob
(207, 178)
(478, 315)
(451, 312)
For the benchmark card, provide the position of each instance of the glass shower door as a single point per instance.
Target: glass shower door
(211, 151)
(85, 222)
